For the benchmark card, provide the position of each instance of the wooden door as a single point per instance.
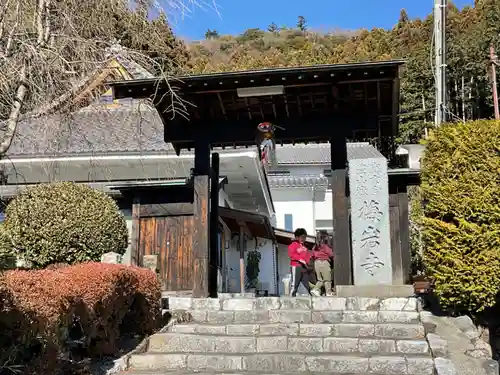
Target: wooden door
(170, 238)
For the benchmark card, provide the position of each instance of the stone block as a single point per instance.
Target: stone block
(444, 366)
(205, 304)
(399, 317)
(315, 329)
(220, 317)
(151, 262)
(211, 329)
(420, 366)
(184, 328)
(342, 345)
(374, 346)
(398, 304)
(354, 330)
(255, 316)
(337, 364)
(179, 303)
(326, 316)
(267, 303)
(328, 303)
(362, 303)
(400, 331)
(428, 321)
(173, 342)
(226, 344)
(149, 361)
(238, 304)
(412, 347)
(242, 329)
(360, 317)
(305, 344)
(111, 258)
(272, 344)
(275, 363)
(370, 234)
(483, 346)
(491, 367)
(199, 316)
(438, 346)
(215, 362)
(374, 291)
(272, 329)
(388, 365)
(295, 303)
(290, 316)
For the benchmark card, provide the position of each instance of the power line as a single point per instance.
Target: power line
(440, 56)
(494, 63)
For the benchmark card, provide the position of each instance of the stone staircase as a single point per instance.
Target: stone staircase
(272, 335)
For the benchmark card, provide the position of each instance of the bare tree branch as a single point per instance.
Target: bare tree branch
(51, 49)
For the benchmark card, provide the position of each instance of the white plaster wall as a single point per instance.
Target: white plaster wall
(267, 275)
(297, 202)
(306, 205)
(267, 265)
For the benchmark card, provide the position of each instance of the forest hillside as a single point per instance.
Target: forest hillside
(470, 32)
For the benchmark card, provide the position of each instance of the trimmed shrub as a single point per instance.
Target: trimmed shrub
(47, 311)
(65, 222)
(461, 214)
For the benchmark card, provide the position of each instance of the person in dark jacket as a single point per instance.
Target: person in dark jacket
(323, 264)
(300, 259)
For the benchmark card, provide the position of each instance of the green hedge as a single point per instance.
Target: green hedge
(65, 223)
(461, 214)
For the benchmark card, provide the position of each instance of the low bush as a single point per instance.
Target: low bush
(461, 214)
(65, 222)
(82, 309)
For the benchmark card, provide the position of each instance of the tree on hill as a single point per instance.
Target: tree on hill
(470, 31)
(273, 28)
(212, 34)
(301, 23)
(46, 47)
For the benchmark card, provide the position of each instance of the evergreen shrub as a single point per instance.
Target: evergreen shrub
(461, 214)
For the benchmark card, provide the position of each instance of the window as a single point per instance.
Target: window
(289, 222)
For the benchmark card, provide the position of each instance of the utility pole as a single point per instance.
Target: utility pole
(494, 63)
(440, 52)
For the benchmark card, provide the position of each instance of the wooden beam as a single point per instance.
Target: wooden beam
(341, 236)
(136, 225)
(213, 257)
(404, 227)
(394, 222)
(166, 209)
(201, 219)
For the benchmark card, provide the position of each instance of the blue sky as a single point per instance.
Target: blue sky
(235, 16)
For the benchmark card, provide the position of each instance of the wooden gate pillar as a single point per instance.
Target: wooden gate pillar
(201, 177)
(213, 257)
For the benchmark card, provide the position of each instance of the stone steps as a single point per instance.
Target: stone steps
(191, 372)
(196, 343)
(282, 336)
(362, 330)
(303, 316)
(277, 363)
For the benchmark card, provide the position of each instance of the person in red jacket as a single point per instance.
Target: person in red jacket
(300, 259)
(323, 263)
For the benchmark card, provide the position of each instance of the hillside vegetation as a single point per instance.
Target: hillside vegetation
(470, 31)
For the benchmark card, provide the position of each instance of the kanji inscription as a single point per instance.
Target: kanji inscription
(369, 187)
